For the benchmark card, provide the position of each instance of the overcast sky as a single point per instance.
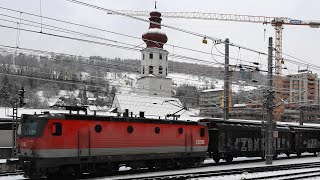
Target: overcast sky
(299, 41)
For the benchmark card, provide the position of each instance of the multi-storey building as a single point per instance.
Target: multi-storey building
(211, 102)
(300, 89)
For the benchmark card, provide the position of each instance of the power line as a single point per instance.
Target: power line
(92, 36)
(76, 24)
(94, 28)
(176, 56)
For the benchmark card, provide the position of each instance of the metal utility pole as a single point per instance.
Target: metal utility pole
(270, 104)
(226, 82)
(15, 122)
(14, 130)
(301, 115)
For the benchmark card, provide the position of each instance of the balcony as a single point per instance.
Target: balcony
(311, 91)
(285, 96)
(312, 78)
(311, 96)
(285, 80)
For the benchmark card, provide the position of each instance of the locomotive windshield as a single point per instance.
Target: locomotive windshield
(31, 126)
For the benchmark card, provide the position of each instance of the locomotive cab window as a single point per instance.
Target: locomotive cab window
(29, 128)
(56, 129)
(201, 132)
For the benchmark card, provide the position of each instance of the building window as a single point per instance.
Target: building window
(150, 69)
(160, 56)
(166, 71)
(142, 56)
(143, 70)
(150, 56)
(160, 69)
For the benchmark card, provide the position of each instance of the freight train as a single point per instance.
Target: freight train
(229, 139)
(72, 144)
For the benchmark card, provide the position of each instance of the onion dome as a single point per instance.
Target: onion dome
(155, 34)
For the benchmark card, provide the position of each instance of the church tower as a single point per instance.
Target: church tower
(154, 61)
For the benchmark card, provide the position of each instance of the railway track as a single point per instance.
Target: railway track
(191, 175)
(217, 173)
(290, 176)
(17, 172)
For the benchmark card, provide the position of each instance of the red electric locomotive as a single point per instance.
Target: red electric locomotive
(70, 144)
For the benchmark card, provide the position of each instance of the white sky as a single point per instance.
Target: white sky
(300, 41)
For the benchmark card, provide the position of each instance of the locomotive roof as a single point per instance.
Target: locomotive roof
(65, 116)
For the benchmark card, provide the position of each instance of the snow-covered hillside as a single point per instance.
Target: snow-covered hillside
(126, 81)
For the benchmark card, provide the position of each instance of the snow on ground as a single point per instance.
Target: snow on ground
(204, 82)
(247, 175)
(121, 80)
(12, 177)
(229, 166)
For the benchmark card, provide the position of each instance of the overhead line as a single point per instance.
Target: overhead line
(90, 27)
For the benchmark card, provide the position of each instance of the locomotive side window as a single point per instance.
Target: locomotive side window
(201, 132)
(56, 129)
(130, 129)
(180, 130)
(98, 128)
(157, 130)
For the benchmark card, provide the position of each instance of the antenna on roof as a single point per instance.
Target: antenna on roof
(155, 4)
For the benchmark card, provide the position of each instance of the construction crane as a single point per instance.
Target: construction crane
(276, 22)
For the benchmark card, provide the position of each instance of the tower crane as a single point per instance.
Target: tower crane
(276, 22)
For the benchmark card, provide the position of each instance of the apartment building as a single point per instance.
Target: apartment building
(211, 102)
(300, 89)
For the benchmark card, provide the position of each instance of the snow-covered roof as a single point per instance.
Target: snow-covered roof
(239, 105)
(155, 30)
(213, 90)
(6, 113)
(152, 106)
